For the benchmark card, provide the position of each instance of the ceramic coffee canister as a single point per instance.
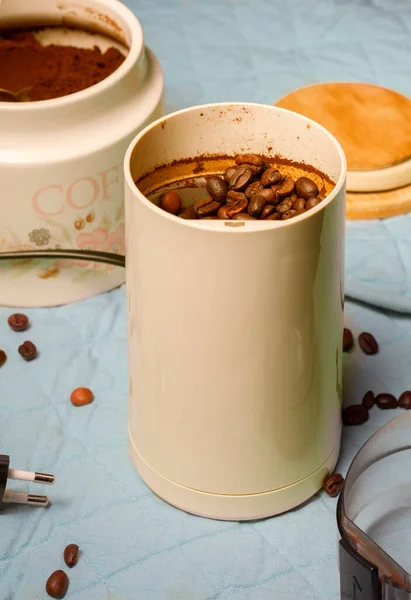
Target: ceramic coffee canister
(61, 173)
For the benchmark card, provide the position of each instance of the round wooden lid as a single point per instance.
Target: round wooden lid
(372, 123)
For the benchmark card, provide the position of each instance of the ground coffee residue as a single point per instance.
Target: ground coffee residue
(51, 71)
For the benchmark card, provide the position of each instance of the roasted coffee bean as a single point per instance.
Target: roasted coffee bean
(241, 179)
(271, 176)
(235, 196)
(275, 216)
(311, 202)
(267, 211)
(256, 206)
(57, 584)
(356, 414)
(81, 396)
(368, 343)
(236, 207)
(249, 159)
(255, 170)
(206, 207)
(286, 187)
(243, 217)
(228, 173)
(188, 213)
(300, 211)
(222, 212)
(253, 188)
(333, 484)
(348, 340)
(270, 196)
(217, 188)
(404, 401)
(28, 351)
(293, 197)
(71, 555)
(284, 206)
(306, 188)
(298, 203)
(171, 202)
(18, 322)
(3, 357)
(288, 214)
(369, 400)
(386, 401)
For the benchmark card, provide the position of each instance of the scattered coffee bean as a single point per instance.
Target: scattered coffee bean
(404, 401)
(271, 176)
(3, 357)
(386, 401)
(217, 188)
(368, 343)
(18, 322)
(241, 178)
(284, 206)
(81, 396)
(306, 188)
(267, 211)
(229, 172)
(249, 159)
(288, 214)
(188, 213)
(348, 340)
(333, 484)
(253, 188)
(28, 350)
(369, 400)
(298, 203)
(356, 414)
(206, 207)
(71, 555)
(256, 206)
(311, 202)
(57, 584)
(171, 203)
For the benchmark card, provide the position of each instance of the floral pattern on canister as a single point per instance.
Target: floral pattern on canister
(101, 235)
(98, 239)
(40, 237)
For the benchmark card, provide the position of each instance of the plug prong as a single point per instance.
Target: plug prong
(35, 477)
(21, 498)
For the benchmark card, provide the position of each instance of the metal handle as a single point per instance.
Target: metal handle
(108, 258)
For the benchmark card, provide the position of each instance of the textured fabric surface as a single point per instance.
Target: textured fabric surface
(134, 546)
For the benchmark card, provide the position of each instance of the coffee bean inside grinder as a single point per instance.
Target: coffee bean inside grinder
(251, 188)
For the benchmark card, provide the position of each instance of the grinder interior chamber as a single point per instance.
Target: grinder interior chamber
(188, 177)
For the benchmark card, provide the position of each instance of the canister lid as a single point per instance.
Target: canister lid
(373, 125)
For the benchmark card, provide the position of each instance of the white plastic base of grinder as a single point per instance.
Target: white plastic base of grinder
(234, 507)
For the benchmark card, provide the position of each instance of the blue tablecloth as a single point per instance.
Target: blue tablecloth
(134, 546)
